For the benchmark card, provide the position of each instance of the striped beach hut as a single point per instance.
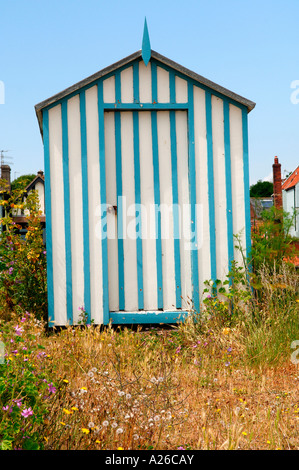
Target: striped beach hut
(146, 181)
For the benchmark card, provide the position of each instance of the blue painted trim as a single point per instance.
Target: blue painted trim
(172, 93)
(105, 284)
(228, 182)
(145, 106)
(67, 211)
(157, 206)
(176, 217)
(211, 185)
(138, 210)
(154, 83)
(136, 82)
(246, 182)
(146, 45)
(192, 191)
(51, 314)
(158, 317)
(85, 208)
(118, 157)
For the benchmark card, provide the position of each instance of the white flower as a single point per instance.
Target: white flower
(105, 423)
(91, 425)
(120, 393)
(157, 418)
(119, 431)
(114, 425)
(128, 396)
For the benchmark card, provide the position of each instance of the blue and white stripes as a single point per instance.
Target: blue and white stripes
(146, 183)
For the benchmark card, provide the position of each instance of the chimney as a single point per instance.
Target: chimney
(5, 173)
(277, 184)
(40, 173)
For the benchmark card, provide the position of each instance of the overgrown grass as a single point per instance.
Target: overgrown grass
(212, 383)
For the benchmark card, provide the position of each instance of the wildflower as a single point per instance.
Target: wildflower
(226, 331)
(181, 448)
(128, 396)
(18, 402)
(67, 412)
(85, 430)
(120, 393)
(18, 330)
(52, 389)
(91, 425)
(114, 425)
(119, 431)
(105, 423)
(120, 448)
(27, 412)
(65, 381)
(74, 408)
(244, 433)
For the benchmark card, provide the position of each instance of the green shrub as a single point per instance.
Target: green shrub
(22, 261)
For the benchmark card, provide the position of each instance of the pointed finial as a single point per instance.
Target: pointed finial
(146, 46)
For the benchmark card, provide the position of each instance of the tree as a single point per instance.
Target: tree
(261, 189)
(21, 182)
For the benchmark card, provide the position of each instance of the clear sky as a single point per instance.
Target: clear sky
(248, 46)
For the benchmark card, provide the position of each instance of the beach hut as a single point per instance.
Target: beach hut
(146, 182)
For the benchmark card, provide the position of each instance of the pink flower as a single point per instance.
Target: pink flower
(27, 412)
(18, 330)
(52, 389)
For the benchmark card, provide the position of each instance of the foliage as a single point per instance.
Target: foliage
(261, 189)
(22, 261)
(26, 390)
(271, 240)
(22, 182)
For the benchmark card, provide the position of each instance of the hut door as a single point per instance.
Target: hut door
(148, 212)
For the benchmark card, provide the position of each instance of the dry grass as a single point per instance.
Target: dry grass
(221, 382)
(141, 390)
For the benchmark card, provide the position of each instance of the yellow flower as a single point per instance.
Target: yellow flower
(226, 331)
(83, 388)
(67, 412)
(63, 424)
(98, 442)
(85, 430)
(120, 448)
(74, 408)
(244, 433)
(65, 381)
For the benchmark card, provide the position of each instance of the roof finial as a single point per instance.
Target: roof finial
(146, 46)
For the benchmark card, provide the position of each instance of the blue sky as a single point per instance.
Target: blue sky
(250, 47)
